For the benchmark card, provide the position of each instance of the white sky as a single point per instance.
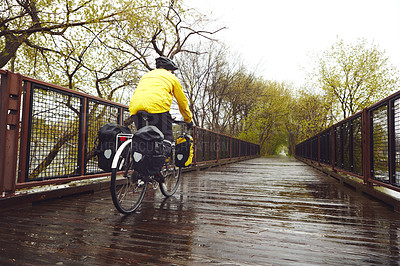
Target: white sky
(277, 36)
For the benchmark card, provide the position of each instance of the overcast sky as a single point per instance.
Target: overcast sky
(278, 35)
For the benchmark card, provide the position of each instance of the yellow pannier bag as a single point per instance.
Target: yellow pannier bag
(184, 151)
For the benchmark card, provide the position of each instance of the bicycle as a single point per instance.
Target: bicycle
(128, 190)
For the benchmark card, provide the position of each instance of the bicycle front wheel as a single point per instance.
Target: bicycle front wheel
(127, 189)
(172, 177)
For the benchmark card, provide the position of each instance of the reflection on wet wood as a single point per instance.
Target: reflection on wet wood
(263, 211)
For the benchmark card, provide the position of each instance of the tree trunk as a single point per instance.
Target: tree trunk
(11, 47)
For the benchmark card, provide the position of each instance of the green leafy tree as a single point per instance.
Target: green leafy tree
(264, 123)
(95, 46)
(23, 22)
(241, 97)
(308, 114)
(354, 76)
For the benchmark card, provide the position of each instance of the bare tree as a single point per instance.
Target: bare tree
(221, 92)
(166, 44)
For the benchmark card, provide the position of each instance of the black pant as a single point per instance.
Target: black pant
(162, 121)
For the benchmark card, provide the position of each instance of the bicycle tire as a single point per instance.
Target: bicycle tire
(172, 176)
(127, 190)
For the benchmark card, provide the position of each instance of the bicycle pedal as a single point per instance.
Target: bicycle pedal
(155, 185)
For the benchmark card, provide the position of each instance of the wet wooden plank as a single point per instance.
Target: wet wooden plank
(264, 211)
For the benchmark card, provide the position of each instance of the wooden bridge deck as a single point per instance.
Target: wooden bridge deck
(265, 211)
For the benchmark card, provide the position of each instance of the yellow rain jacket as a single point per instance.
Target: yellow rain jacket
(155, 92)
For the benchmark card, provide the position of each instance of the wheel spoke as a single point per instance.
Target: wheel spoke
(172, 175)
(127, 192)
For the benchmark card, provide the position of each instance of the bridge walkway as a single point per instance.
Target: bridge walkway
(264, 211)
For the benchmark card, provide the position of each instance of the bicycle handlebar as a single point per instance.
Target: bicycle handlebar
(179, 122)
(189, 126)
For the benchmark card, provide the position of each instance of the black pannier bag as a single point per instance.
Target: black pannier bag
(184, 151)
(149, 150)
(106, 146)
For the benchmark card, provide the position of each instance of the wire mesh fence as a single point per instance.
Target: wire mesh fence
(54, 134)
(380, 144)
(396, 139)
(98, 114)
(366, 145)
(56, 137)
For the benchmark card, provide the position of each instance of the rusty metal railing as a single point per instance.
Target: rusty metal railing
(48, 134)
(213, 147)
(366, 145)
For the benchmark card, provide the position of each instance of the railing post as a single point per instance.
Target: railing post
(333, 148)
(194, 145)
(83, 136)
(351, 146)
(240, 149)
(366, 142)
(24, 137)
(319, 148)
(217, 144)
(10, 102)
(391, 143)
(230, 148)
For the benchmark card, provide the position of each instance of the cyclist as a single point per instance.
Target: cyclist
(154, 94)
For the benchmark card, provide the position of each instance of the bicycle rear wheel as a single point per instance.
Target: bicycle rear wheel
(128, 189)
(172, 177)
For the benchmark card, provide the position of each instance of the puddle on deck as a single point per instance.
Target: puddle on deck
(263, 211)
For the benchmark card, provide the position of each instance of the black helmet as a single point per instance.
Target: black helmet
(166, 63)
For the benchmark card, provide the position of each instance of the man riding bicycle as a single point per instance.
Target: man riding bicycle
(154, 94)
(151, 157)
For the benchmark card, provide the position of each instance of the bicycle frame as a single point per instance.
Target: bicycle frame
(129, 189)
